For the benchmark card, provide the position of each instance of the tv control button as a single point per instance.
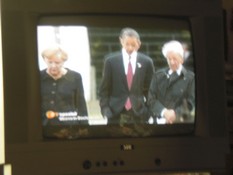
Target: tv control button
(158, 161)
(87, 164)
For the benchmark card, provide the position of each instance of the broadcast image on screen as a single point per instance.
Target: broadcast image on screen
(89, 90)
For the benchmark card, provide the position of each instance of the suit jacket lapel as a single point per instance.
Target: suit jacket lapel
(121, 70)
(136, 73)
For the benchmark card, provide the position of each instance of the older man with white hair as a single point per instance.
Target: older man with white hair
(171, 97)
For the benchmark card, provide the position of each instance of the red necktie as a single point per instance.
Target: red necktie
(129, 75)
(128, 104)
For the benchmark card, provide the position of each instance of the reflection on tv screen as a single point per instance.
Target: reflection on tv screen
(115, 82)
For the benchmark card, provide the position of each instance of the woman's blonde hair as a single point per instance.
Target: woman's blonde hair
(54, 51)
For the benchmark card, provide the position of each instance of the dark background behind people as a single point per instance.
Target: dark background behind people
(106, 41)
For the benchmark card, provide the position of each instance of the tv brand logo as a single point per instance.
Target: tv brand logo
(127, 147)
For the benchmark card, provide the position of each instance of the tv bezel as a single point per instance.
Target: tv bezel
(27, 151)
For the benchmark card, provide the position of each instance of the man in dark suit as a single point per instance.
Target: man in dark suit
(172, 92)
(126, 79)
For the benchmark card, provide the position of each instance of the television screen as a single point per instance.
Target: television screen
(73, 73)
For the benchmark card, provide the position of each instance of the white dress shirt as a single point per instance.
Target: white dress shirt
(133, 59)
(178, 71)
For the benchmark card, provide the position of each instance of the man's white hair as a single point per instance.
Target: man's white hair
(173, 46)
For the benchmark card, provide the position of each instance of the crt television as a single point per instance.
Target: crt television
(89, 145)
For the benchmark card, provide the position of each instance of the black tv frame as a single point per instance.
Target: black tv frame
(29, 153)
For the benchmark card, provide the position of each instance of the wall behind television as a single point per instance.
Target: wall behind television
(228, 8)
(227, 4)
(2, 149)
